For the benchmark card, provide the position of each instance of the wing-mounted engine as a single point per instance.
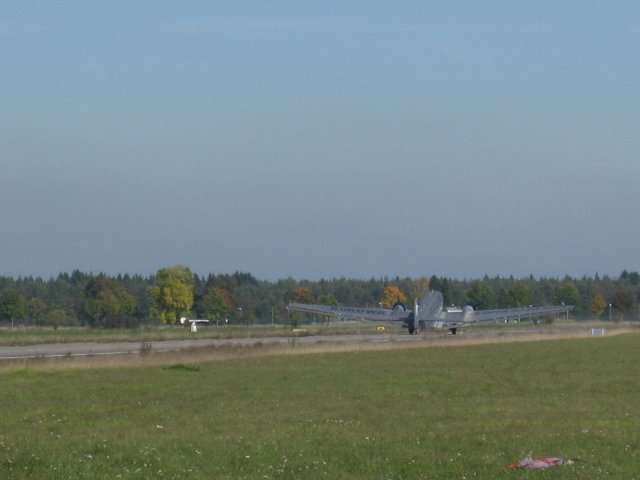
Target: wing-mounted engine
(468, 314)
(409, 320)
(398, 307)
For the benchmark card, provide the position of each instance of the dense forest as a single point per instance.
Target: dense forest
(99, 300)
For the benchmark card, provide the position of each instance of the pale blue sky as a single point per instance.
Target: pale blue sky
(320, 139)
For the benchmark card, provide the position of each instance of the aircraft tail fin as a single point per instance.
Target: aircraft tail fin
(431, 307)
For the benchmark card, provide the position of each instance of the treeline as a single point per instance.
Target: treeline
(99, 300)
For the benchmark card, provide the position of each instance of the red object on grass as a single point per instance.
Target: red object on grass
(537, 462)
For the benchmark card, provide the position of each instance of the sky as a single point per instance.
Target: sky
(320, 139)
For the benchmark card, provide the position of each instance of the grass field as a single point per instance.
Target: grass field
(430, 413)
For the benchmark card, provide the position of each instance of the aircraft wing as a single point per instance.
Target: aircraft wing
(185, 320)
(522, 313)
(356, 313)
(474, 317)
(430, 313)
(200, 320)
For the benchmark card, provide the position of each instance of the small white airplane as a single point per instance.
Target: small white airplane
(193, 322)
(429, 313)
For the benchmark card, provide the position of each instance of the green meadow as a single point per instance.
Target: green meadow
(456, 412)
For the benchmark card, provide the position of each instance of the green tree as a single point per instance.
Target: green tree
(632, 277)
(568, 294)
(420, 287)
(295, 318)
(623, 301)
(520, 295)
(172, 295)
(57, 317)
(106, 298)
(328, 299)
(503, 298)
(216, 304)
(480, 296)
(36, 309)
(13, 306)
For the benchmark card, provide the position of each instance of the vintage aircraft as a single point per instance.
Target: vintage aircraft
(430, 313)
(193, 323)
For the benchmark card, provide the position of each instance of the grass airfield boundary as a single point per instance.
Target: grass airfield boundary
(405, 413)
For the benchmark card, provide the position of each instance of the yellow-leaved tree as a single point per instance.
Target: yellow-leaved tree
(598, 305)
(391, 296)
(172, 295)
